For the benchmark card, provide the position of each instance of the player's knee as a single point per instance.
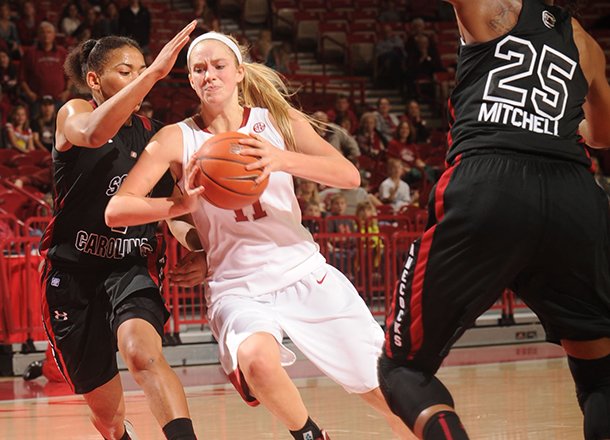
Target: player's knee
(409, 392)
(592, 379)
(140, 356)
(257, 368)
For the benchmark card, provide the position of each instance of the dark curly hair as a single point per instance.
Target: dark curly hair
(91, 56)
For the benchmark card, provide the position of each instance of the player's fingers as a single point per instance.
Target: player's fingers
(255, 165)
(184, 33)
(263, 176)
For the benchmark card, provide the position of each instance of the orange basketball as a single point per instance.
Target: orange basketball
(227, 183)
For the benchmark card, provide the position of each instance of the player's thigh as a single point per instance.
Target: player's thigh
(328, 321)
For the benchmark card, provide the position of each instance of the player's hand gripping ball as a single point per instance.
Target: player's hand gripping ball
(223, 174)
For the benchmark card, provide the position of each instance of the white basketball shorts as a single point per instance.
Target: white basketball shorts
(324, 317)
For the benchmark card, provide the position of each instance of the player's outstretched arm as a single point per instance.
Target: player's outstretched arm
(594, 128)
(130, 206)
(80, 124)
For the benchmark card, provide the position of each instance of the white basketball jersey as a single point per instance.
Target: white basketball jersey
(261, 248)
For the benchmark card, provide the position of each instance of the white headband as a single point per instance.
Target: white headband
(218, 37)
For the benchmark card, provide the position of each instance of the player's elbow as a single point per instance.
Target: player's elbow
(353, 180)
(112, 214)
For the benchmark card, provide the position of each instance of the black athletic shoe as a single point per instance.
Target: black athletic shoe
(33, 371)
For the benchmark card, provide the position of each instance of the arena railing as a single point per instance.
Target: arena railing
(373, 262)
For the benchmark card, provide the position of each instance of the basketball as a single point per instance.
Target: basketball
(223, 174)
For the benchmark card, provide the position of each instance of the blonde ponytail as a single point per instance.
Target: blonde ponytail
(264, 87)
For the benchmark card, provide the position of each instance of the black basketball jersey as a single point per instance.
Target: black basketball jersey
(523, 91)
(85, 179)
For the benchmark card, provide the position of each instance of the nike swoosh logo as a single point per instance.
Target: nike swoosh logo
(323, 278)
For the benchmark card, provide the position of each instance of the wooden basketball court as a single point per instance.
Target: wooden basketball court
(513, 392)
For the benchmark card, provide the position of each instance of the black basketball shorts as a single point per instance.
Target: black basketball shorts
(82, 310)
(497, 220)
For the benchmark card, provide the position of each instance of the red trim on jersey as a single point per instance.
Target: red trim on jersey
(244, 121)
(451, 111)
(46, 320)
(239, 382)
(151, 262)
(583, 144)
(445, 427)
(47, 238)
(416, 328)
(145, 121)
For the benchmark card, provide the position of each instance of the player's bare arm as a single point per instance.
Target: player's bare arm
(482, 21)
(597, 106)
(163, 152)
(315, 160)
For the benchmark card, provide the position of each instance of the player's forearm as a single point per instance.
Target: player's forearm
(335, 170)
(129, 210)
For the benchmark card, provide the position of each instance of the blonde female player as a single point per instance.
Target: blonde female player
(266, 276)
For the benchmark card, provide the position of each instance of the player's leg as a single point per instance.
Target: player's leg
(108, 409)
(140, 321)
(251, 353)
(74, 317)
(473, 247)
(375, 399)
(259, 361)
(569, 287)
(589, 363)
(330, 323)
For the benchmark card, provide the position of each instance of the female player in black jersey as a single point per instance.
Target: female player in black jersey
(102, 285)
(518, 206)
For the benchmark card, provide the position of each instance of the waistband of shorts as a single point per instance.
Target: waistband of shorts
(513, 154)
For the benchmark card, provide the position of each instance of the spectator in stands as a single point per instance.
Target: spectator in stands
(5, 110)
(89, 26)
(417, 28)
(388, 12)
(262, 46)
(279, 58)
(386, 121)
(338, 207)
(43, 127)
(70, 19)
(422, 64)
(18, 132)
(307, 191)
(9, 75)
(134, 22)
(41, 69)
(312, 217)
(401, 147)
(419, 125)
(336, 136)
(342, 110)
(343, 249)
(393, 190)
(8, 31)
(108, 23)
(389, 57)
(206, 18)
(370, 140)
(366, 223)
(27, 25)
(355, 196)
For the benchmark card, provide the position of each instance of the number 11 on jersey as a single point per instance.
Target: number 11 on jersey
(257, 213)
